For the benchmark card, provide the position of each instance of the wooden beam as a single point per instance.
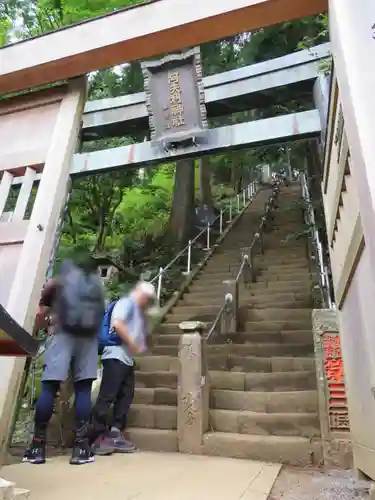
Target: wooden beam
(13, 232)
(138, 33)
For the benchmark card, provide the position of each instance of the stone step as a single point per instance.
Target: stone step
(154, 439)
(247, 295)
(268, 325)
(155, 396)
(265, 402)
(153, 416)
(262, 264)
(269, 314)
(296, 337)
(281, 286)
(152, 363)
(245, 350)
(275, 254)
(251, 364)
(265, 424)
(258, 286)
(208, 313)
(260, 382)
(240, 381)
(261, 276)
(286, 304)
(255, 302)
(20, 494)
(288, 450)
(6, 489)
(284, 337)
(167, 380)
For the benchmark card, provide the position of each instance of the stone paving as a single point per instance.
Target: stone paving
(305, 484)
(146, 476)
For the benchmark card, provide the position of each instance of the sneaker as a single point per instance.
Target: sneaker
(36, 454)
(121, 445)
(103, 446)
(82, 453)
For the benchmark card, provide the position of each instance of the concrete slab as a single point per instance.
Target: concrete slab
(147, 476)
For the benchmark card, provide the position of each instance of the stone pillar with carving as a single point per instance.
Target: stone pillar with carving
(193, 389)
(332, 401)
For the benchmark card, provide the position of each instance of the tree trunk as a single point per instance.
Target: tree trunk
(182, 218)
(205, 192)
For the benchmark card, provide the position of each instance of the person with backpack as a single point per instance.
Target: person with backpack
(76, 299)
(123, 335)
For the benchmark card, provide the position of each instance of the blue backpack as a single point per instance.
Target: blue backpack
(107, 336)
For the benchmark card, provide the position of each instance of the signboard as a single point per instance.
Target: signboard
(335, 380)
(175, 98)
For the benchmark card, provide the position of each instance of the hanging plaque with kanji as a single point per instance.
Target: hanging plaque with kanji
(335, 380)
(175, 98)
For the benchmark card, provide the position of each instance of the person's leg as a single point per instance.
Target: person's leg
(81, 451)
(112, 377)
(57, 360)
(85, 366)
(121, 408)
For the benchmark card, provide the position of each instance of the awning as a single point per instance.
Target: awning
(15, 340)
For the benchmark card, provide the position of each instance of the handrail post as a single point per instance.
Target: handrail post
(189, 258)
(238, 203)
(158, 293)
(230, 210)
(244, 197)
(260, 238)
(229, 319)
(193, 393)
(247, 272)
(221, 221)
(248, 191)
(208, 236)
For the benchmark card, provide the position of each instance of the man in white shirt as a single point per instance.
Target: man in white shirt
(117, 385)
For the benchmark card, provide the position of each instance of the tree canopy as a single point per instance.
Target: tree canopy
(127, 217)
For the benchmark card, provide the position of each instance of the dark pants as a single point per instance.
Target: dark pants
(117, 389)
(44, 407)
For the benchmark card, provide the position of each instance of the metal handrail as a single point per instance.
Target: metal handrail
(247, 262)
(247, 195)
(216, 321)
(324, 281)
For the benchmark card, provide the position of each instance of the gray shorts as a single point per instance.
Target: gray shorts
(65, 351)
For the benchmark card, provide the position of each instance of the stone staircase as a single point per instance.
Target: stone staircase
(263, 384)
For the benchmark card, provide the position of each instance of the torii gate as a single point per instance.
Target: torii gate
(46, 127)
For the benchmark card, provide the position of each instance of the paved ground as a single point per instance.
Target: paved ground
(297, 484)
(146, 476)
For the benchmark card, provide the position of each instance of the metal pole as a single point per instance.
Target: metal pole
(248, 192)
(208, 236)
(244, 197)
(221, 222)
(230, 210)
(159, 283)
(238, 203)
(189, 258)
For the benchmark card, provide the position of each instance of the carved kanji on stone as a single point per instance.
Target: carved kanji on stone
(334, 369)
(332, 346)
(339, 420)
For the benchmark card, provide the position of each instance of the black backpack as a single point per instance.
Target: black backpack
(80, 301)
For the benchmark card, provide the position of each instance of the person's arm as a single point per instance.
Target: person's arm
(46, 299)
(123, 332)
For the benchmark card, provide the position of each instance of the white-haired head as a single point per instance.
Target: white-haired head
(145, 293)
